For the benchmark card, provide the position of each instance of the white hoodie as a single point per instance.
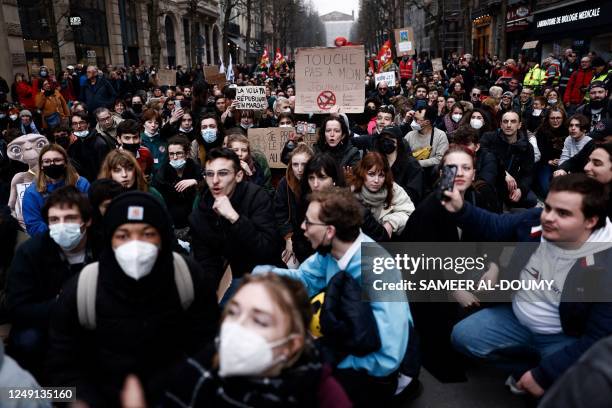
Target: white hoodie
(539, 309)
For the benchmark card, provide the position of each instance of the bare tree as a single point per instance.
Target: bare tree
(153, 14)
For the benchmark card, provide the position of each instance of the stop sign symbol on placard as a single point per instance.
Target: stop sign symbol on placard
(326, 100)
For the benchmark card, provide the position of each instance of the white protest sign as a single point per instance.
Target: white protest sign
(328, 77)
(436, 64)
(251, 97)
(388, 77)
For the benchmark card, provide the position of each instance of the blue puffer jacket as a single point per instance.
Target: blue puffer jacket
(392, 318)
(588, 320)
(33, 202)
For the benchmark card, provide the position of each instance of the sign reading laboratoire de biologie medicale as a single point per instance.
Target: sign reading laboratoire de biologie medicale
(492, 271)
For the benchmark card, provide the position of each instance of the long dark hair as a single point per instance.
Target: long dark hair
(322, 143)
(322, 164)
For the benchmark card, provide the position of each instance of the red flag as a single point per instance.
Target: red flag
(265, 59)
(385, 56)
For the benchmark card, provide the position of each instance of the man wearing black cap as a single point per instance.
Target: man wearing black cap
(597, 108)
(139, 310)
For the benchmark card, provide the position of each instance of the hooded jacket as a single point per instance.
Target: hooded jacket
(141, 326)
(586, 320)
(88, 153)
(252, 240)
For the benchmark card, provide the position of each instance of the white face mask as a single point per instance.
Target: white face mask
(243, 352)
(13, 117)
(136, 258)
(81, 133)
(537, 112)
(415, 126)
(284, 126)
(456, 117)
(67, 235)
(476, 123)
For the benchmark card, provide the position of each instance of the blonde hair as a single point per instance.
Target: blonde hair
(42, 180)
(120, 158)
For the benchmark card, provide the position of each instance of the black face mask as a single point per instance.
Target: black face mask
(131, 147)
(369, 113)
(137, 107)
(48, 93)
(63, 141)
(595, 104)
(55, 171)
(387, 146)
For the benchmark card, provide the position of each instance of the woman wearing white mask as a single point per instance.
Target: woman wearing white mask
(177, 181)
(262, 358)
(451, 121)
(477, 119)
(143, 310)
(210, 136)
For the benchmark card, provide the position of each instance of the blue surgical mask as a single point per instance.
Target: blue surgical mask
(66, 235)
(178, 164)
(209, 135)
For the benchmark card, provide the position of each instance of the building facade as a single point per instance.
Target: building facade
(100, 32)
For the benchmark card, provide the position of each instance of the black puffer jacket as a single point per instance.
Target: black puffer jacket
(179, 204)
(250, 241)
(87, 155)
(517, 158)
(141, 326)
(344, 153)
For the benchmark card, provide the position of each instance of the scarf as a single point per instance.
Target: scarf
(374, 201)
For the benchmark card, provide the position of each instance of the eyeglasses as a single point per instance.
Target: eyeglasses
(221, 174)
(307, 223)
(48, 162)
(79, 124)
(106, 119)
(178, 155)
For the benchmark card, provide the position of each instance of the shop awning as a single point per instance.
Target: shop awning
(530, 45)
(238, 42)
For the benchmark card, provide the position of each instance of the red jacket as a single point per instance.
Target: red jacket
(406, 69)
(577, 86)
(25, 94)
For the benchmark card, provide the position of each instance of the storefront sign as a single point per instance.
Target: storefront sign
(330, 77)
(582, 15)
(516, 18)
(568, 18)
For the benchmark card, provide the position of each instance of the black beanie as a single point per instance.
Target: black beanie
(136, 207)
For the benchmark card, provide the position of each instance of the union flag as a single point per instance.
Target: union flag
(385, 57)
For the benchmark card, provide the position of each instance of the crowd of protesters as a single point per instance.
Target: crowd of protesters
(152, 253)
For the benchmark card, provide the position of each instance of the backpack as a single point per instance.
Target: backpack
(88, 284)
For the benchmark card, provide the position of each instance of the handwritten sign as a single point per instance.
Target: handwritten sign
(436, 64)
(270, 142)
(328, 77)
(251, 97)
(166, 77)
(388, 77)
(404, 41)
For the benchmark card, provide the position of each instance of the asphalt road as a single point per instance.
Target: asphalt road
(484, 389)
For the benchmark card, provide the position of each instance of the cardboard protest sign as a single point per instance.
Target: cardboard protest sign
(251, 97)
(436, 64)
(404, 41)
(212, 76)
(388, 77)
(270, 142)
(328, 77)
(166, 77)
